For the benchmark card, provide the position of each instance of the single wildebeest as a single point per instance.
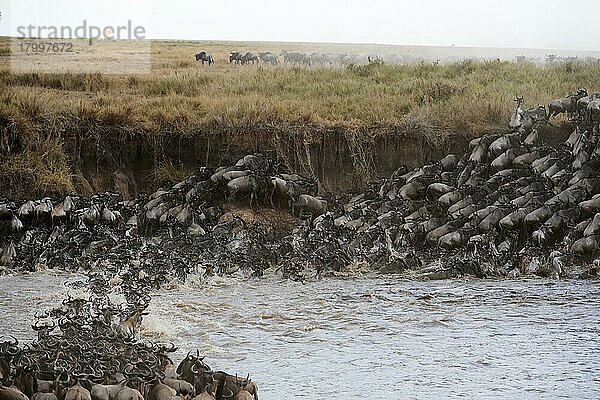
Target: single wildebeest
(107, 392)
(160, 391)
(582, 104)
(235, 56)
(585, 245)
(594, 111)
(565, 105)
(243, 184)
(26, 380)
(8, 254)
(44, 396)
(268, 57)
(11, 393)
(191, 366)
(315, 205)
(502, 144)
(182, 387)
(531, 117)
(26, 211)
(77, 392)
(205, 57)
(208, 393)
(249, 57)
(129, 327)
(232, 385)
(515, 119)
(44, 209)
(129, 394)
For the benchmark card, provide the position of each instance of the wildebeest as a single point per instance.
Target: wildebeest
(229, 386)
(515, 120)
(11, 393)
(182, 387)
(594, 111)
(77, 392)
(243, 184)
(44, 209)
(249, 57)
(315, 205)
(295, 58)
(160, 391)
(208, 393)
(26, 211)
(502, 144)
(129, 327)
(268, 58)
(107, 392)
(582, 106)
(565, 105)
(205, 57)
(236, 57)
(128, 393)
(8, 254)
(532, 117)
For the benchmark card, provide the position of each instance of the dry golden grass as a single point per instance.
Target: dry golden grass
(181, 97)
(167, 174)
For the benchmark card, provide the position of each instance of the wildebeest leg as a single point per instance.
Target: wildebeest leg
(271, 196)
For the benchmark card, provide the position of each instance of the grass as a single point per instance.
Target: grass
(166, 174)
(180, 97)
(40, 170)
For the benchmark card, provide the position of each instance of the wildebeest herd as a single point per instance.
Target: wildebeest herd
(298, 59)
(511, 203)
(83, 353)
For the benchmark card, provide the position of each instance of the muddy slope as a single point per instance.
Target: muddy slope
(105, 158)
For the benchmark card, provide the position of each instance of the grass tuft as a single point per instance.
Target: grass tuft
(166, 174)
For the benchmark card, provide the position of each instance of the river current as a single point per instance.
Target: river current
(379, 337)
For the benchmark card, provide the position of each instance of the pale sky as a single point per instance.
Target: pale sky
(548, 24)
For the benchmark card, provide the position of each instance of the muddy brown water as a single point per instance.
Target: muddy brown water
(370, 337)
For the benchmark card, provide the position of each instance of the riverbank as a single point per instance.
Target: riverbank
(83, 133)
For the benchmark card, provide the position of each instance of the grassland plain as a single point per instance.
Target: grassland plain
(47, 118)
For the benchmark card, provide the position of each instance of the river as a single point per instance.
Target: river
(377, 337)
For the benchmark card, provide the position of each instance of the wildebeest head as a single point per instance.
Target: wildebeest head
(191, 366)
(26, 380)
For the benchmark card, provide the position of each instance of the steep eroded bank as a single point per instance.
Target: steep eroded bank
(130, 161)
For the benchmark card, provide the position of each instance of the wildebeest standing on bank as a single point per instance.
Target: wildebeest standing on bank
(205, 57)
(565, 105)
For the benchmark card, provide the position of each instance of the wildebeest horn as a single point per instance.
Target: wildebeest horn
(171, 349)
(41, 315)
(127, 371)
(16, 342)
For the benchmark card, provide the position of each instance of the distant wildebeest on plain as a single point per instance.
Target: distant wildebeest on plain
(205, 57)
